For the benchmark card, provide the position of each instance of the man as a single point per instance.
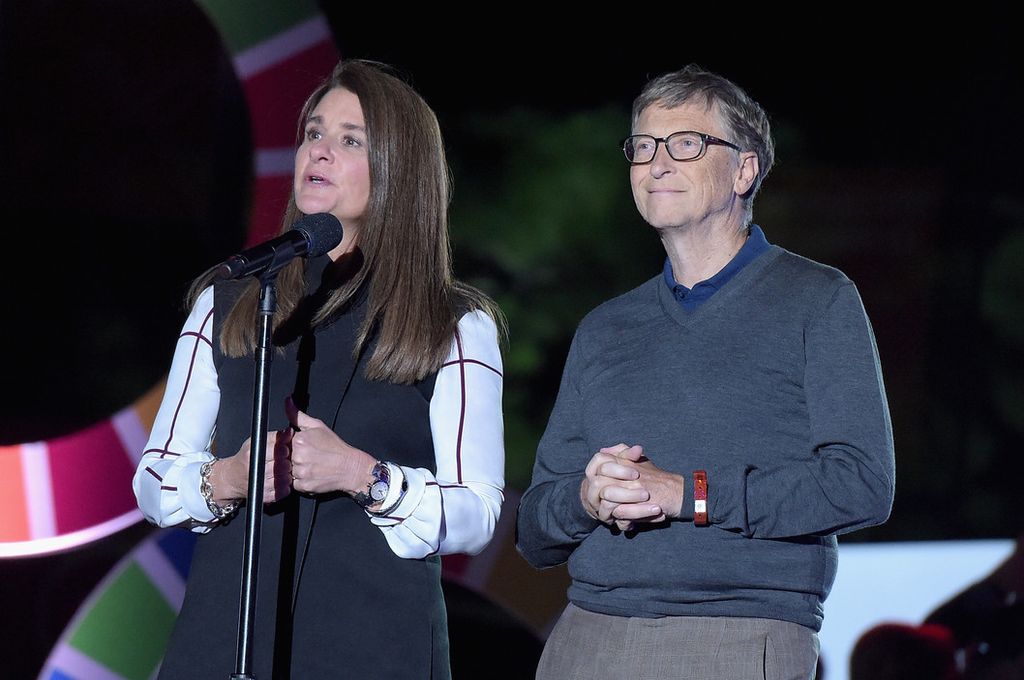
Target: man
(715, 428)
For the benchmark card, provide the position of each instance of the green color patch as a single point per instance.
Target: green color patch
(127, 627)
(244, 24)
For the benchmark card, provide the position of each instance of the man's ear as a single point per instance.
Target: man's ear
(747, 172)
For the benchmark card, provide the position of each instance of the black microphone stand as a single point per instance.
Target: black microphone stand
(257, 468)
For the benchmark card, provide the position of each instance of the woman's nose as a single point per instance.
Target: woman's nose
(320, 149)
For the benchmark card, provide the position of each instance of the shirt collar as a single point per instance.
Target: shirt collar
(755, 244)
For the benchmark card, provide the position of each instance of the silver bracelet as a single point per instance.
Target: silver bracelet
(206, 489)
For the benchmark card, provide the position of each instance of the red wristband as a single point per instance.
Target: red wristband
(700, 498)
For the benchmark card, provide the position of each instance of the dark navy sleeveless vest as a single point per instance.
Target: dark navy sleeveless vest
(333, 600)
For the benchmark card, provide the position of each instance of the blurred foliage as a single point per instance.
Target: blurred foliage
(1002, 307)
(550, 230)
(975, 389)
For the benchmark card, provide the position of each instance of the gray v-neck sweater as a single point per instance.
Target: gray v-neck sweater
(774, 387)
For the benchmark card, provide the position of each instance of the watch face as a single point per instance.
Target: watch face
(379, 491)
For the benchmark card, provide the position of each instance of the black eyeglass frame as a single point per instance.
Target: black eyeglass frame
(705, 141)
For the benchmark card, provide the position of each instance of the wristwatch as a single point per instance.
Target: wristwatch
(377, 490)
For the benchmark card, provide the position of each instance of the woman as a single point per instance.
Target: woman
(386, 396)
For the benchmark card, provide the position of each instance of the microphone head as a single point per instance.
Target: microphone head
(323, 232)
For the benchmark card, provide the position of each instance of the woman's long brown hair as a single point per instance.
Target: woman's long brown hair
(414, 301)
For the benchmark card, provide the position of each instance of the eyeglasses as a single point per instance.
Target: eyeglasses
(686, 145)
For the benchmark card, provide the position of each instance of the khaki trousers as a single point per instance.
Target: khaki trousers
(589, 646)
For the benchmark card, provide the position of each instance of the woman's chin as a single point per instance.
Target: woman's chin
(310, 205)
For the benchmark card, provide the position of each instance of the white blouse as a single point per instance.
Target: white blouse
(454, 511)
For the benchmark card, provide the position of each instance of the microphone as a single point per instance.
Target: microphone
(312, 236)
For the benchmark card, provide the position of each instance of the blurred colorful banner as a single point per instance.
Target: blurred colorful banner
(120, 631)
(71, 490)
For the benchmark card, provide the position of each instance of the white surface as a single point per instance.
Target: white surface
(897, 582)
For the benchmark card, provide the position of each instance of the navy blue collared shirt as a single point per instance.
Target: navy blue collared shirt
(692, 298)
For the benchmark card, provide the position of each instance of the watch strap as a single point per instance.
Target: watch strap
(396, 492)
(700, 498)
(381, 473)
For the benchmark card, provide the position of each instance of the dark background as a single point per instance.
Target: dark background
(126, 166)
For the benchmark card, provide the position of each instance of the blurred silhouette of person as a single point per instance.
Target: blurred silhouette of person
(900, 651)
(715, 428)
(978, 634)
(987, 621)
(390, 450)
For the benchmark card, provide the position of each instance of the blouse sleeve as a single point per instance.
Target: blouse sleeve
(166, 482)
(456, 510)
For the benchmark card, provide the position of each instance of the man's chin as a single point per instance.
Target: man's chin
(667, 225)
